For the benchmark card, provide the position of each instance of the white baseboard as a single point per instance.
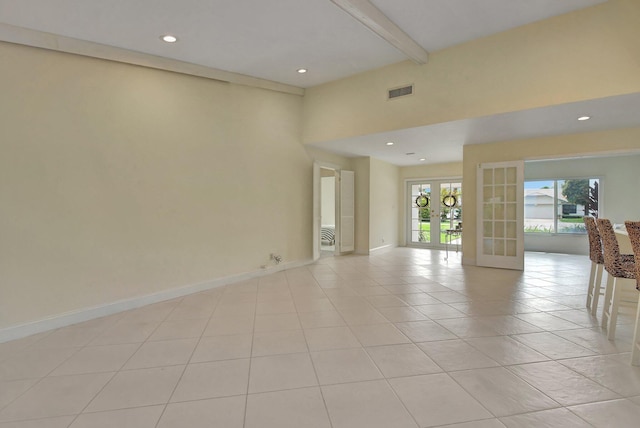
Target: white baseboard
(63, 320)
(373, 250)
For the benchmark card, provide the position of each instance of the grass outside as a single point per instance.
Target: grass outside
(426, 229)
(565, 225)
(572, 220)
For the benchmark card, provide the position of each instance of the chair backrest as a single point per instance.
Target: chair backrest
(595, 245)
(633, 229)
(613, 263)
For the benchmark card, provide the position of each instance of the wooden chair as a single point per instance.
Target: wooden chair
(618, 267)
(633, 229)
(597, 264)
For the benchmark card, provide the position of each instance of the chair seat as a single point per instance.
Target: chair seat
(622, 269)
(633, 229)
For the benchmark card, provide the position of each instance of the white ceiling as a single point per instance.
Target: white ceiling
(443, 142)
(271, 39)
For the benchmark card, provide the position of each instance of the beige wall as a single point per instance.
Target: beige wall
(328, 159)
(383, 212)
(119, 181)
(606, 142)
(362, 168)
(586, 54)
(437, 170)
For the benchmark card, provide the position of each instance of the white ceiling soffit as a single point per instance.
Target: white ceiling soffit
(271, 39)
(443, 142)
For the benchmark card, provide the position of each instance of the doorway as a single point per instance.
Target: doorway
(434, 213)
(333, 234)
(327, 212)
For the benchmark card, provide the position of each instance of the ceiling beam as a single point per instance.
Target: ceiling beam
(39, 39)
(373, 18)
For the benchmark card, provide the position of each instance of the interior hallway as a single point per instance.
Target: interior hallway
(396, 339)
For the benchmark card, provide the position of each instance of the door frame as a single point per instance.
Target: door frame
(407, 212)
(317, 207)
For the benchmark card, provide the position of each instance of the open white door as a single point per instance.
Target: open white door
(500, 236)
(316, 211)
(347, 211)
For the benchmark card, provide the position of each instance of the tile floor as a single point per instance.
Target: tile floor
(397, 339)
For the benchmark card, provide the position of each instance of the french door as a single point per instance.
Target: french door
(434, 212)
(500, 215)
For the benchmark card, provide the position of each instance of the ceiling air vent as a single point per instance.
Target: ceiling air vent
(400, 92)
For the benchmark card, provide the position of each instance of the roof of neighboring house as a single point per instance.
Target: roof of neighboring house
(543, 195)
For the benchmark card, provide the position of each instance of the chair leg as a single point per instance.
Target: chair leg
(607, 302)
(635, 345)
(615, 306)
(596, 289)
(592, 277)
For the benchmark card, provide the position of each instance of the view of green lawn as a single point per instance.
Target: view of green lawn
(565, 225)
(426, 229)
(571, 220)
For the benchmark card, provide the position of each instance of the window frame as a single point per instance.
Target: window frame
(557, 189)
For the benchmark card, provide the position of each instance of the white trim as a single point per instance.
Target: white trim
(373, 18)
(406, 215)
(54, 42)
(345, 213)
(317, 206)
(450, 178)
(582, 155)
(316, 217)
(373, 250)
(63, 320)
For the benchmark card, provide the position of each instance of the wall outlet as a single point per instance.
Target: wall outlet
(276, 257)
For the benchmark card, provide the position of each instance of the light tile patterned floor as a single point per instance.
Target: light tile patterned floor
(398, 339)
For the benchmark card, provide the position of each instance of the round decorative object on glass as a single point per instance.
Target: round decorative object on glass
(449, 201)
(422, 201)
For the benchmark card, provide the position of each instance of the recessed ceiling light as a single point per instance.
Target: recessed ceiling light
(584, 118)
(423, 159)
(390, 143)
(169, 38)
(302, 70)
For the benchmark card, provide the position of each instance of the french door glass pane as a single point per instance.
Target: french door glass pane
(450, 209)
(500, 211)
(500, 228)
(420, 203)
(435, 208)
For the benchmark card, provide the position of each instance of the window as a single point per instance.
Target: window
(557, 206)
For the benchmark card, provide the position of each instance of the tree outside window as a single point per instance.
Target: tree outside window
(558, 206)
